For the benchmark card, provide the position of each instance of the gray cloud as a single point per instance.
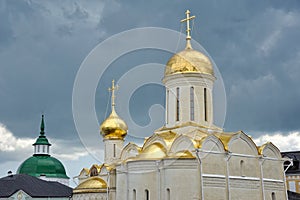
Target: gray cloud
(42, 44)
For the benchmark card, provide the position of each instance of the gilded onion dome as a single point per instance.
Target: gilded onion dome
(113, 127)
(92, 185)
(189, 60)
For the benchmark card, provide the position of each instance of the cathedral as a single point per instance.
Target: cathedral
(189, 157)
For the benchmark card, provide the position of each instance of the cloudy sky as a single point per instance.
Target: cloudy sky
(44, 43)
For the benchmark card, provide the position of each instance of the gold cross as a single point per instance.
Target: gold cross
(187, 20)
(112, 89)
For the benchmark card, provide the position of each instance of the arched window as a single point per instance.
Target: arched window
(273, 196)
(192, 114)
(205, 104)
(242, 168)
(168, 194)
(94, 172)
(177, 104)
(114, 150)
(147, 194)
(134, 194)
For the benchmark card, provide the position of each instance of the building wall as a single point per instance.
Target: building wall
(184, 82)
(90, 196)
(186, 179)
(113, 150)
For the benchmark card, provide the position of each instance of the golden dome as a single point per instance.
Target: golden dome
(154, 151)
(92, 185)
(189, 61)
(184, 154)
(113, 127)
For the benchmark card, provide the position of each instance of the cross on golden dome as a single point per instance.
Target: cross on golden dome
(113, 127)
(112, 89)
(188, 29)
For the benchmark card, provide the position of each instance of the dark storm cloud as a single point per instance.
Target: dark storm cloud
(42, 44)
(39, 65)
(263, 94)
(254, 45)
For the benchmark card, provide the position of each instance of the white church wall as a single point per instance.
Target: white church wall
(244, 166)
(121, 182)
(274, 188)
(90, 196)
(182, 143)
(180, 175)
(113, 150)
(214, 186)
(184, 82)
(142, 177)
(213, 164)
(273, 169)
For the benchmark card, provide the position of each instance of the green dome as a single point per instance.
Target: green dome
(38, 165)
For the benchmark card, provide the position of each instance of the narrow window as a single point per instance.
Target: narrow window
(242, 167)
(205, 104)
(167, 105)
(134, 194)
(192, 115)
(147, 194)
(292, 186)
(94, 172)
(38, 149)
(44, 149)
(273, 196)
(168, 194)
(114, 150)
(177, 104)
(47, 149)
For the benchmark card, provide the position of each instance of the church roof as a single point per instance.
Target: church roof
(171, 144)
(91, 185)
(39, 165)
(33, 186)
(295, 156)
(189, 61)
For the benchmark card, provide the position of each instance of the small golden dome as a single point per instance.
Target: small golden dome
(154, 151)
(113, 127)
(184, 154)
(189, 61)
(91, 185)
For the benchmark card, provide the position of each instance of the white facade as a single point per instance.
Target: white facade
(190, 158)
(90, 196)
(189, 99)
(113, 150)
